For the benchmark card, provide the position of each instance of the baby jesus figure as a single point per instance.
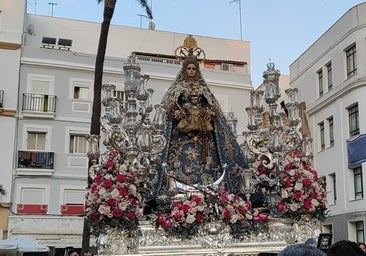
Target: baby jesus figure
(194, 118)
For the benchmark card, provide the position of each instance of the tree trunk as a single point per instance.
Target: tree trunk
(98, 79)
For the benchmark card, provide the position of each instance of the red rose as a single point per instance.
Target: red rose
(306, 182)
(288, 182)
(280, 207)
(196, 199)
(161, 218)
(176, 216)
(122, 191)
(313, 194)
(166, 224)
(94, 189)
(199, 217)
(117, 212)
(133, 200)
(308, 205)
(94, 216)
(177, 205)
(110, 165)
(297, 195)
(97, 178)
(227, 214)
(131, 215)
(111, 201)
(107, 183)
(185, 208)
(121, 178)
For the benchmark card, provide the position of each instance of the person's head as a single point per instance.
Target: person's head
(301, 250)
(72, 252)
(345, 247)
(311, 241)
(362, 246)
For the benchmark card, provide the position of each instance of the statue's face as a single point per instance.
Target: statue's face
(191, 70)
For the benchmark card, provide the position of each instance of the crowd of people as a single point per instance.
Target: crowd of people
(310, 248)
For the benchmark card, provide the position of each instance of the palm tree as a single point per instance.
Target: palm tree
(109, 6)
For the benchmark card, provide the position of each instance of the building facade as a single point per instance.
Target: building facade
(331, 78)
(49, 88)
(11, 28)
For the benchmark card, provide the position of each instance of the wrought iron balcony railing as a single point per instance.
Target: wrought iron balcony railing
(39, 103)
(35, 159)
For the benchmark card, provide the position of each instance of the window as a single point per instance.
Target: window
(78, 144)
(320, 81)
(36, 140)
(360, 232)
(328, 228)
(331, 131)
(81, 93)
(358, 184)
(333, 187)
(74, 196)
(120, 94)
(353, 117)
(329, 75)
(32, 195)
(351, 60)
(321, 135)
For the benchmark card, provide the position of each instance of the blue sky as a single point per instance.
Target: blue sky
(277, 30)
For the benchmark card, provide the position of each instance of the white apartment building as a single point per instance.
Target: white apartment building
(331, 78)
(11, 28)
(48, 84)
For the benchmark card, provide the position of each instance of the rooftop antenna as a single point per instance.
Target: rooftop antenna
(52, 5)
(142, 15)
(239, 4)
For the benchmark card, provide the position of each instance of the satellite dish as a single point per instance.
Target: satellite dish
(30, 30)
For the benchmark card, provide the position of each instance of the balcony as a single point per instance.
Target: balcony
(35, 163)
(39, 105)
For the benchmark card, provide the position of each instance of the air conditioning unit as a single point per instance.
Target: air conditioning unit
(48, 42)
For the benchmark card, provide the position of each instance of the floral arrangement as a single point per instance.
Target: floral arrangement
(186, 216)
(240, 215)
(113, 198)
(302, 190)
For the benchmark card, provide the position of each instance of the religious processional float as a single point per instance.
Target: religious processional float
(180, 184)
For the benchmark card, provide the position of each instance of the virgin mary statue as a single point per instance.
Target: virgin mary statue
(201, 148)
